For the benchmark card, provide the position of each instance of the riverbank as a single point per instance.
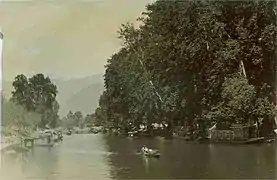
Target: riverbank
(11, 136)
(198, 139)
(7, 142)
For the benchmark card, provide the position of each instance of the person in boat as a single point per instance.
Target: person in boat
(144, 148)
(150, 152)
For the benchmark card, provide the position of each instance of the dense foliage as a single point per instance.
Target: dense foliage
(37, 94)
(17, 121)
(77, 119)
(194, 63)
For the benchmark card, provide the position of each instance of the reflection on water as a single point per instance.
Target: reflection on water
(145, 163)
(83, 157)
(62, 162)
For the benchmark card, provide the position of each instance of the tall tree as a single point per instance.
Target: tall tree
(89, 120)
(37, 94)
(183, 53)
(78, 116)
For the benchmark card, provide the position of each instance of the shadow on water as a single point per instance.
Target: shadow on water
(181, 160)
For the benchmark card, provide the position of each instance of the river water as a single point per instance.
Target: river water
(87, 157)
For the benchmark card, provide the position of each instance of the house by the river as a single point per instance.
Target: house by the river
(237, 132)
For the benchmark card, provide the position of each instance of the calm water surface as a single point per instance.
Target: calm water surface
(87, 157)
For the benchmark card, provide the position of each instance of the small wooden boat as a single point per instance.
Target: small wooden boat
(150, 152)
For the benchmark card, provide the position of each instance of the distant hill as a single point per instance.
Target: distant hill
(88, 89)
(74, 94)
(86, 100)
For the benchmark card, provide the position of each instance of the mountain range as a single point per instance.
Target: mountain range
(78, 94)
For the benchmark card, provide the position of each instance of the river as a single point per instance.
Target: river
(87, 157)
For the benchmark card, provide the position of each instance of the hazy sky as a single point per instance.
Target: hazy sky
(63, 39)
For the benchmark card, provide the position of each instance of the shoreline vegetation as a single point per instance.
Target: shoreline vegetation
(192, 69)
(16, 124)
(194, 64)
(31, 107)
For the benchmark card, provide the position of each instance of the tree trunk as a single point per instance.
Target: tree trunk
(243, 69)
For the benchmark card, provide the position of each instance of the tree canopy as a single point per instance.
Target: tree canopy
(76, 119)
(37, 94)
(185, 64)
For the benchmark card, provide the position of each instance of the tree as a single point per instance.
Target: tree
(43, 92)
(184, 51)
(78, 116)
(237, 105)
(50, 116)
(37, 94)
(72, 120)
(89, 120)
(240, 104)
(22, 92)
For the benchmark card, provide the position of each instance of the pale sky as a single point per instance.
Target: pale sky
(63, 39)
